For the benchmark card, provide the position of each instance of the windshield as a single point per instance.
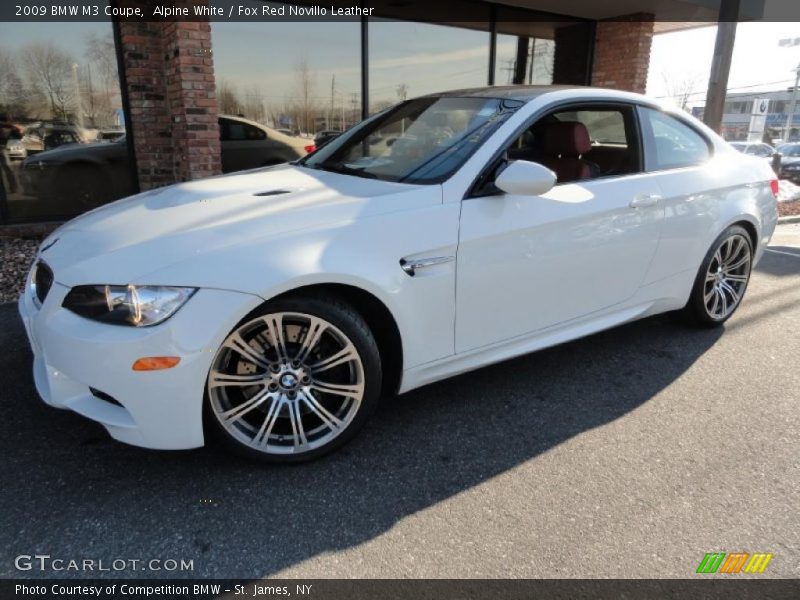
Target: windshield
(419, 141)
(790, 150)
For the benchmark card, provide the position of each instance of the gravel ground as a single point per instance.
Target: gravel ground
(786, 209)
(16, 256)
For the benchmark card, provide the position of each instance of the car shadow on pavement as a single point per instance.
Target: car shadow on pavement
(71, 491)
(780, 264)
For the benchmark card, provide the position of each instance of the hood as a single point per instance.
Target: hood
(122, 242)
(67, 151)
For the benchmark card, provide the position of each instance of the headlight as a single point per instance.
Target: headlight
(134, 305)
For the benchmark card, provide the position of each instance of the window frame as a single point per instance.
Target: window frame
(648, 139)
(475, 189)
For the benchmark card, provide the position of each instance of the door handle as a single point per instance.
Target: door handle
(645, 200)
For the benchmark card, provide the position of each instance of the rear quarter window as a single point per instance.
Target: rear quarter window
(670, 143)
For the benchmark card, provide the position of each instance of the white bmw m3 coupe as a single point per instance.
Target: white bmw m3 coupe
(274, 307)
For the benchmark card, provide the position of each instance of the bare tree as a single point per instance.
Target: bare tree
(680, 87)
(100, 79)
(228, 99)
(305, 94)
(49, 70)
(253, 106)
(13, 99)
(402, 91)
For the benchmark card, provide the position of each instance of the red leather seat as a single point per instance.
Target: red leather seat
(563, 145)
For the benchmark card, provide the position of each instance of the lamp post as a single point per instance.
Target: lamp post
(792, 104)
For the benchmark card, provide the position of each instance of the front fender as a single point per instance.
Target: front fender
(364, 253)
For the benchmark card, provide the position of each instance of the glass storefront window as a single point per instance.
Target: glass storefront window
(297, 81)
(537, 65)
(412, 59)
(61, 120)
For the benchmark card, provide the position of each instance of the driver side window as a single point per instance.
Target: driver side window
(578, 144)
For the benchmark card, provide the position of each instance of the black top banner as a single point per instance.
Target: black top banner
(444, 11)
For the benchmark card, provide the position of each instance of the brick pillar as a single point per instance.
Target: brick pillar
(172, 98)
(192, 96)
(622, 53)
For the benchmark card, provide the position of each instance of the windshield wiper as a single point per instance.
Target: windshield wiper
(344, 170)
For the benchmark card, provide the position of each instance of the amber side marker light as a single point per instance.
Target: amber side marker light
(155, 363)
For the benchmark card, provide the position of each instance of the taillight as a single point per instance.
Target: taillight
(773, 185)
(310, 148)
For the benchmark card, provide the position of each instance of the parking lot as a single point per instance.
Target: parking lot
(631, 453)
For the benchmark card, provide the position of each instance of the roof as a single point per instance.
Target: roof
(525, 93)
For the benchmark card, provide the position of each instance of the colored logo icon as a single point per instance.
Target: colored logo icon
(734, 562)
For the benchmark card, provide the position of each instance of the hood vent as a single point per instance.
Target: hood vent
(272, 193)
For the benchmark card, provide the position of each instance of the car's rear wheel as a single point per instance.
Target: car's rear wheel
(722, 279)
(294, 381)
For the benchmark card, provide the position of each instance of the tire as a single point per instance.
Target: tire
(294, 401)
(722, 279)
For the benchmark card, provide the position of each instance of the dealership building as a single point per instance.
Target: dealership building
(164, 83)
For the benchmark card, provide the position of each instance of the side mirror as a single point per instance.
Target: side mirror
(525, 178)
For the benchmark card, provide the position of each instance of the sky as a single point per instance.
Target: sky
(758, 64)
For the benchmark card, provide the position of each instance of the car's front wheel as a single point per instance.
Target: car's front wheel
(722, 279)
(295, 380)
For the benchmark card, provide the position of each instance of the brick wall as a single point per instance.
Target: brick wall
(173, 108)
(622, 53)
(192, 96)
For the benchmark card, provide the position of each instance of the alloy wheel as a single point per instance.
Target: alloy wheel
(286, 383)
(727, 276)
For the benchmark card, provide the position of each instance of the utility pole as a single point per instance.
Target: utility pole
(533, 58)
(792, 105)
(510, 69)
(721, 63)
(330, 112)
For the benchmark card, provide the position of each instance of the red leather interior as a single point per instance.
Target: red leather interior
(563, 145)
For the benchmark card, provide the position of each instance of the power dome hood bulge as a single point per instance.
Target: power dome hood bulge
(125, 241)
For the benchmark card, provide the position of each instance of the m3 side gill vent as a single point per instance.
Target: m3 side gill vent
(272, 193)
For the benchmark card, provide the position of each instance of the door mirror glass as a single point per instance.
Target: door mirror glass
(525, 178)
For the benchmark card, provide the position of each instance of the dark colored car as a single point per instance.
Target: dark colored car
(78, 177)
(790, 162)
(325, 136)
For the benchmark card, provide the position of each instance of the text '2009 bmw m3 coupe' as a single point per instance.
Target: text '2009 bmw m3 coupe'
(274, 307)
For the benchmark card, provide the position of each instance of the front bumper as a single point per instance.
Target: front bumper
(157, 409)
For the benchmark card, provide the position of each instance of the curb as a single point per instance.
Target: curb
(789, 219)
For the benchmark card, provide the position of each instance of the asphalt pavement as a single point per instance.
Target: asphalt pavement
(630, 453)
